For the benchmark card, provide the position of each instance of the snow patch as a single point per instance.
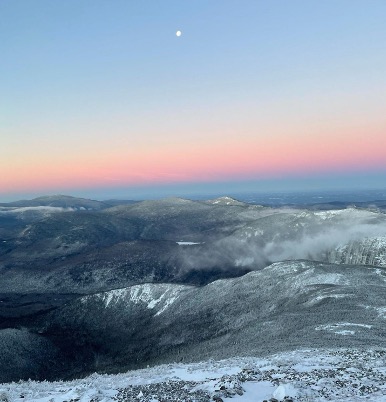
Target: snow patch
(338, 328)
(172, 297)
(44, 209)
(328, 296)
(160, 296)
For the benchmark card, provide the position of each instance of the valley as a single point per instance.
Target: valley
(96, 287)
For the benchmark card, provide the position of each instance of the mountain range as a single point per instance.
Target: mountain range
(97, 286)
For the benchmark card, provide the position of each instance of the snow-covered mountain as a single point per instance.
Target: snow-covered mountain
(285, 306)
(90, 251)
(58, 201)
(153, 282)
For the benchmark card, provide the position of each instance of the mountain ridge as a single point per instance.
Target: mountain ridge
(282, 307)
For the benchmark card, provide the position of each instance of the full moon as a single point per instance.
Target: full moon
(178, 33)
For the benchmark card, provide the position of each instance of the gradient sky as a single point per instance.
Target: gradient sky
(101, 98)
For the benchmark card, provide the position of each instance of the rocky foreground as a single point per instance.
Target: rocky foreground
(358, 377)
(300, 376)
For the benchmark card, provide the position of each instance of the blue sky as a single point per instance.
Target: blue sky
(102, 97)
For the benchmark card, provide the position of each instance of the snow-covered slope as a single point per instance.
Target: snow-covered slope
(153, 297)
(300, 376)
(128, 269)
(285, 306)
(90, 251)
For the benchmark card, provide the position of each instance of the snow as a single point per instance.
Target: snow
(328, 295)
(302, 375)
(170, 300)
(338, 328)
(114, 294)
(348, 213)
(186, 243)
(45, 209)
(310, 276)
(147, 294)
(380, 310)
(280, 392)
(225, 201)
(363, 250)
(144, 294)
(381, 272)
(324, 215)
(330, 279)
(256, 391)
(345, 332)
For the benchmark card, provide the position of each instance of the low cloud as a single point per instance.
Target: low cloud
(314, 247)
(313, 241)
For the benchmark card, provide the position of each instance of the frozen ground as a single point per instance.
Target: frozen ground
(308, 375)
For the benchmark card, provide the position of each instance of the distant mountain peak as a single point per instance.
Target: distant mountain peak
(225, 200)
(59, 200)
(178, 200)
(56, 196)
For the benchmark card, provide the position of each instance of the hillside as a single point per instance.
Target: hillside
(169, 280)
(285, 306)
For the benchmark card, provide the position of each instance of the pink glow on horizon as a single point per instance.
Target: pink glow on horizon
(250, 159)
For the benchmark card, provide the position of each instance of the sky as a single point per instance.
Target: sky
(101, 98)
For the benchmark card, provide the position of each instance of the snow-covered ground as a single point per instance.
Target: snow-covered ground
(308, 375)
